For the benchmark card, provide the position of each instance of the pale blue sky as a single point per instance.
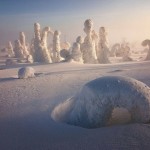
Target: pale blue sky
(128, 19)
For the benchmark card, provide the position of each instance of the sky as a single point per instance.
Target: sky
(124, 19)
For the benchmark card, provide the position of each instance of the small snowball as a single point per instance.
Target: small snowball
(26, 72)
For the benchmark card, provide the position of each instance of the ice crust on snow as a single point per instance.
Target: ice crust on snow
(94, 105)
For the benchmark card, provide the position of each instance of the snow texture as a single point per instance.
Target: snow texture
(103, 48)
(26, 72)
(93, 106)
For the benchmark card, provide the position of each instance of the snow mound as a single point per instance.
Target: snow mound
(26, 72)
(106, 101)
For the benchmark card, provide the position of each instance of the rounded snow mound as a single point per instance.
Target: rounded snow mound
(106, 101)
(26, 72)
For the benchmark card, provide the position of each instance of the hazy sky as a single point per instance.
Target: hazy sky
(128, 19)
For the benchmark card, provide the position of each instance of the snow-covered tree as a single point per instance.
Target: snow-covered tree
(103, 48)
(114, 50)
(79, 39)
(126, 52)
(56, 47)
(76, 54)
(88, 46)
(41, 53)
(18, 50)
(147, 43)
(22, 39)
(10, 49)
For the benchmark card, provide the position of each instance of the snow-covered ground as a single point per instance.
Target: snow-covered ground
(26, 105)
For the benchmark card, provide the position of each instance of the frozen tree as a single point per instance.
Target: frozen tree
(95, 40)
(103, 48)
(126, 53)
(18, 50)
(45, 32)
(36, 49)
(88, 46)
(10, 50)
(26, 72)
(56, 46)
(147, 43)
(46, 52)
(99, 100)
(22, 39)
(76, 52)
(41, 53)
(79, 40)
(30, 59)
(114, 50)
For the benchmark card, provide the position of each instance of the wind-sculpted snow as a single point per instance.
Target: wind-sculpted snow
(94, 106)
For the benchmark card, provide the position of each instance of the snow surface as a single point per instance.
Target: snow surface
(26, 105)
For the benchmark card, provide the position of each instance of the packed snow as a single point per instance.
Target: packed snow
(26, 106)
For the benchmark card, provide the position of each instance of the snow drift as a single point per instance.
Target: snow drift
(99, 101)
